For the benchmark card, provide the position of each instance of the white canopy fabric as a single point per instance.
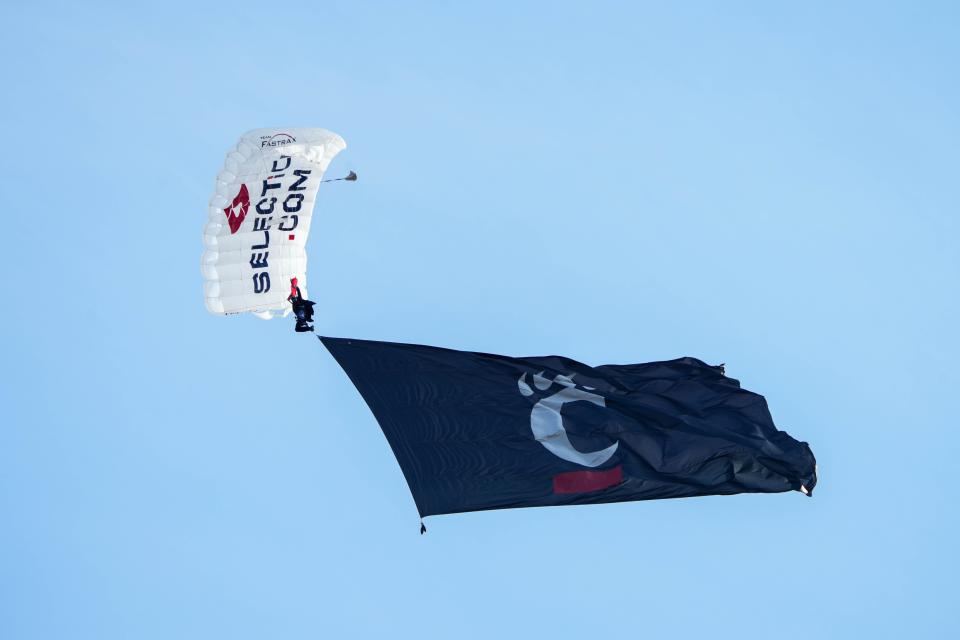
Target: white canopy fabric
(259, 219)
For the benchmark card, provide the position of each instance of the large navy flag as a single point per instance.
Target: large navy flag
(476, 431)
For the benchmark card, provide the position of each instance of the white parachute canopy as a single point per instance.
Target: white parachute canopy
(259, 219)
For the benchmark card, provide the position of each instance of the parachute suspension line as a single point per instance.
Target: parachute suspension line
(350, 177)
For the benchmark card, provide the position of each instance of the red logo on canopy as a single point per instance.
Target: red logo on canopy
(237, 210)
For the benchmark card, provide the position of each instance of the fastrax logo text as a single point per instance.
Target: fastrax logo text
(276, 140)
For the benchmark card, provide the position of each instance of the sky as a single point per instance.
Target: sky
(772, 187)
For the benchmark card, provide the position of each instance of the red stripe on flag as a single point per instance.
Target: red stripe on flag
(586, 481)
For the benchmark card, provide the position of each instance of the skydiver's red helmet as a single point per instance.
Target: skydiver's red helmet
(293, 282)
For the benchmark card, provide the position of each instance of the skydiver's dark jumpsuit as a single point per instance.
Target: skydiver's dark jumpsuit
(303, 309)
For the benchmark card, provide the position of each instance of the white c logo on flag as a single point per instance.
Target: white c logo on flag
(546, 421)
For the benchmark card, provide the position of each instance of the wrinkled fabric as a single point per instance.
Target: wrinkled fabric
(475, 431)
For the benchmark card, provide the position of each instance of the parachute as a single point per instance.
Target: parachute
(259, 219)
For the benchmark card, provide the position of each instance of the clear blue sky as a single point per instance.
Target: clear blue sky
(774, 188)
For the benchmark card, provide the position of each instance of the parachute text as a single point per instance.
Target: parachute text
(292, 203)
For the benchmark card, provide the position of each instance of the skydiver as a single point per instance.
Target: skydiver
(302, 309)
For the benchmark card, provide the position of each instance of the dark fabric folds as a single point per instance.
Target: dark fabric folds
(474, 431)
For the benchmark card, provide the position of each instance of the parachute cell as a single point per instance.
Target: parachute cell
(259, 219)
